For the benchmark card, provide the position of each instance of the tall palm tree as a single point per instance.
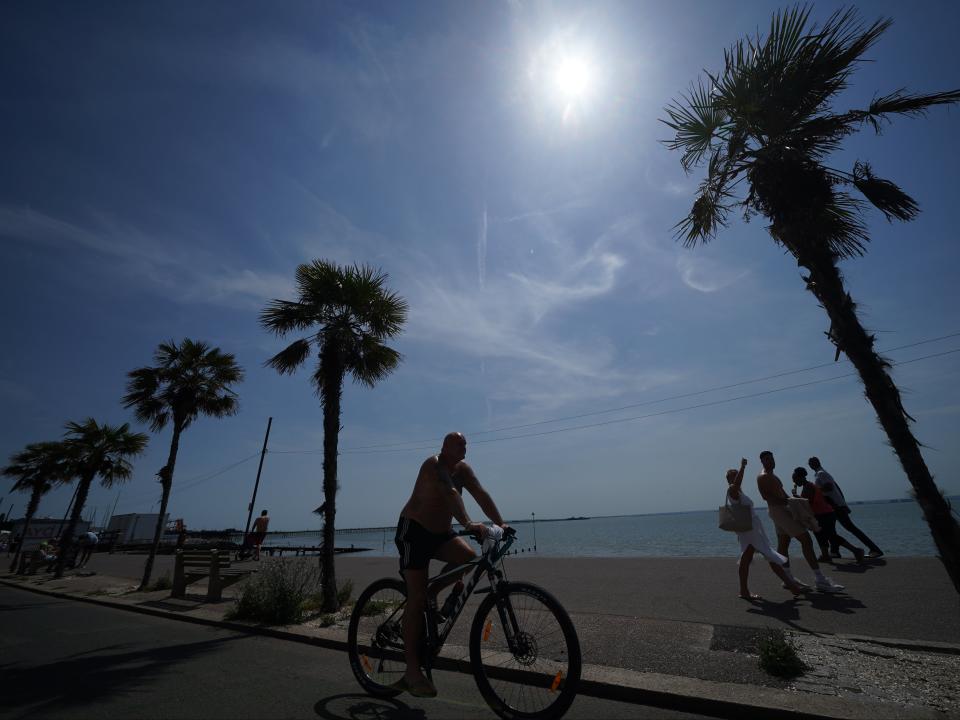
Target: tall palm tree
(189, 380)
(347, 313)
(93, 450)
(37, 468)
(767, 119)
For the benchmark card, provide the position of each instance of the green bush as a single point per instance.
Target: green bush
(277, 594)
(314, 601)
(778, 656)
(161, 583)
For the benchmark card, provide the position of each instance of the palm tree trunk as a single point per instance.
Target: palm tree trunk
(67, 540)
(331, 432)
(166, 483)
(826, 283)
(31, 511)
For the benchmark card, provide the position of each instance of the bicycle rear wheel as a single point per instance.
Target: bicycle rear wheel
(375, 637)
(525, 653)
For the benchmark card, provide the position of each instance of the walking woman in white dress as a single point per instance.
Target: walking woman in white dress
(755, 540)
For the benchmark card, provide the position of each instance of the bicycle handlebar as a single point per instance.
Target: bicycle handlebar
(507, 532)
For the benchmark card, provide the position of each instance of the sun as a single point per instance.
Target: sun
(572, 78)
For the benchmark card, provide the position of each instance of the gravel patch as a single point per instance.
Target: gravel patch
(867, 671)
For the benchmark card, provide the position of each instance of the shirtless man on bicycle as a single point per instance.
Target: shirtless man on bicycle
(425, 531)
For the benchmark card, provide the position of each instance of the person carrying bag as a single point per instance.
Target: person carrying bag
(737, 515)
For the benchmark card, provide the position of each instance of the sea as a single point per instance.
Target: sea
(897, 526)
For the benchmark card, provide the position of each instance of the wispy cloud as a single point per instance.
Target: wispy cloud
(514, 322)
(184, 274)
(706, 275)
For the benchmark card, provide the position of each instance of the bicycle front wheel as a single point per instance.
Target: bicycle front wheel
(375, 637)
(525, 653)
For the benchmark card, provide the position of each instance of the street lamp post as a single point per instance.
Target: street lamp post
(534, 516)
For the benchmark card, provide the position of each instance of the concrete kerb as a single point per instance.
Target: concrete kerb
(683, 694)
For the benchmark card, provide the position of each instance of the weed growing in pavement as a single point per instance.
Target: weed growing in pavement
(161, 583)
(778, 656)
(277, 593)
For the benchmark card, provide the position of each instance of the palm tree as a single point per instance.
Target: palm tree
(93, 450)
(767, 119)
(347, 313)
(189, 380)
(37, 468)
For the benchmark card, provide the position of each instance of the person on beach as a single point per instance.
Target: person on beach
(834, 496)
(827, 536)
(425, 531)
(260, 526)
(771, 489)
(754, 540)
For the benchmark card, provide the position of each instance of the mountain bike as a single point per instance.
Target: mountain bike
(524, 650)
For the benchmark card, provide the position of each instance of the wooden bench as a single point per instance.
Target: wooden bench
(192, 565)
(29, 561)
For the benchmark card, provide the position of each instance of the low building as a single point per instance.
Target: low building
(135, 527)
(45, 529)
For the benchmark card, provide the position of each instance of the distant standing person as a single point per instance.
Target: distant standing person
(771, 489)
(834, 495)
(259, 533)
(88, 541)
(755, 539)
(825, 515)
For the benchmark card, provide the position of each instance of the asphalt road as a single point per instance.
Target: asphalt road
(68, 659)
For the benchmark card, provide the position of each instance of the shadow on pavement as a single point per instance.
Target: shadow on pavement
(87, 678)
(788, 612)
(858, 569)
(364, 707)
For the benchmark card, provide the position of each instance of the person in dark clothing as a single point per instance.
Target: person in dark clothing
(834, 496)
(826, 517)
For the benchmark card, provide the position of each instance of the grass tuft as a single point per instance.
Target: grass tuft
(778, 655)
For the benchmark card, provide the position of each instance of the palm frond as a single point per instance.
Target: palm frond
(901, 102)
(696, 120)
(283, 316)
(372, 361)
(142, 388)
(38, 467)
(94, 449)
(885, 195)
(290, 358)
(706, 217)
(840, 226)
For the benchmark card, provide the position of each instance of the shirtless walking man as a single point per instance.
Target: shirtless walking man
(787, 527)
(260, 526)
(425, 531)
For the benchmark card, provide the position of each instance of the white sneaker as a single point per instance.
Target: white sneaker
(827, 585)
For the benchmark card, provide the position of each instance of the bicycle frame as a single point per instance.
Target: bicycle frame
(485, 565)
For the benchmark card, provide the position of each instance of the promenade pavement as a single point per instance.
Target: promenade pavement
(671, 632)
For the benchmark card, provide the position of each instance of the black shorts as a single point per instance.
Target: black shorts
(417, 545)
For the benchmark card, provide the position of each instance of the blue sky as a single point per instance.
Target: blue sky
(167, 166)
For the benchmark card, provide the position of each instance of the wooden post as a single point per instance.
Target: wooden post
(214, 589)
(179, 578)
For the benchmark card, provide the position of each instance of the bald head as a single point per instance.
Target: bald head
(454, 447)
(453, 439)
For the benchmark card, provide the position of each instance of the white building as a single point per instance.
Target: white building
(45, 529)
(135, 527)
